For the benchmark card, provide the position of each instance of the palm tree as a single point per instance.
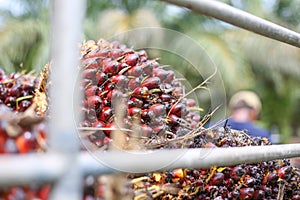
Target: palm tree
(24, 36)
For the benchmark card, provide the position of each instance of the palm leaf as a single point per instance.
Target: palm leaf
(23, 45)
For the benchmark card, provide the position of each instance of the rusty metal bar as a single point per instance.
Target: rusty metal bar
(241, 19)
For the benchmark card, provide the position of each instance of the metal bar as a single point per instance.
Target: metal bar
(158, 160)
(241, 19)
(21, 169)
(66, 29)
(49, 167)
(67, 19)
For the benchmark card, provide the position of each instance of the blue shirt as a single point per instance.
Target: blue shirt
(251, 129)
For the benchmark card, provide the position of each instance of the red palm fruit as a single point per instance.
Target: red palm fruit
(98, 54)
(170, 77)
(16, 193)
(134, 111)
(85, 82)
(98, 124)
(177, 92)
(193, 125)
(111, 68)
(160, 73)
(94, 101)
(158, 109)
(127, 52)
(134, 83)
(159, 128)
(3, 138)
(143, 53)
(15, 90)
(91, 63)
(23, 105)
(28, 87)
(196, 118)
(101, 77)
(89, 74)
(179, 109)
(106, 114)
(173, 119)
(217, 179)
(142, 92)
(114, 95)
(109, 86)
(98, 142)
(259, 194)
(229, 182)
(270, 177)
(106, 139)
(249, 181)
(91, 91)
(120, 81)
(237, 172)
(147, 67)
(91, 115)
(26, 142)
(135, 71)
(44, 192)
(115, 53)
(190, 102)
(146, 130)
(152, 82)
(165, 97)
(132, 59)
(146, 114)
(284, 172)
(135, 102)
(10, 101)
(110, 126)
(233, 194)
(246, 193)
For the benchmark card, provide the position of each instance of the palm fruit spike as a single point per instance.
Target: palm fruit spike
(154, 97)
(41, 98)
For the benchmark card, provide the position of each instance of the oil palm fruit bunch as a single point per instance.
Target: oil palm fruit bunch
(114, 75)
(275, 179)
(21, 131)
(17, 96)
(157, 112)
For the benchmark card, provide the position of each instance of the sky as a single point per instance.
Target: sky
(11, 5)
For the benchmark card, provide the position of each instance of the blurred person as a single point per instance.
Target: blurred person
(244, 110)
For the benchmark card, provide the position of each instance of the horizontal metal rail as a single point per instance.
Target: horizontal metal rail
(21, 169)
(241, 19)
(49, 167)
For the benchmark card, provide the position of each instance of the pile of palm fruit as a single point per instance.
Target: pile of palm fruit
(129, 96)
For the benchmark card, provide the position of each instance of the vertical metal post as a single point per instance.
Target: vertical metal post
(67, 18)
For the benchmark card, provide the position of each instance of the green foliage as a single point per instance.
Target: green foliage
(23, 45)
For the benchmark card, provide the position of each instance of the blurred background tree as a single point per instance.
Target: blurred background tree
(244, 59)
(24, 33)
